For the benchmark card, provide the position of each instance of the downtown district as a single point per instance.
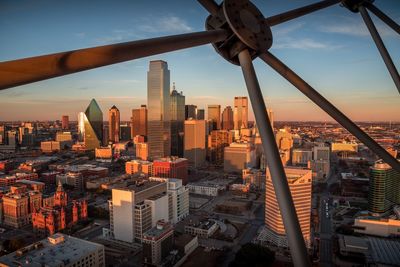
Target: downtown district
(174, 187)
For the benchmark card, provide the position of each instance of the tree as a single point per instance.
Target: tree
(253, 255)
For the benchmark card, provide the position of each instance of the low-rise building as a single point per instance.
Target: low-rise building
(157, 243)
(377, 227)
(203, 229)
(57, 250)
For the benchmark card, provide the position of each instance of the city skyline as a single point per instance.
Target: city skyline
(331, 52)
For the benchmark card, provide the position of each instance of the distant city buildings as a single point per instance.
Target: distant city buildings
(190, 112)
(227, 119)
(114, 124)
(214, 116)
(217, 141)
(65, 122)
(240, 112)
(158, 104)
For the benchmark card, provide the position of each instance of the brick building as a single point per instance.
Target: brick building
(64, 213)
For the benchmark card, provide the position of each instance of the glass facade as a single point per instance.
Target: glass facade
(158, 114)
(241, 112)
(177, 122)
(93, 124)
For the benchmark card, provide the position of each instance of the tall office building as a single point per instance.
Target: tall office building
(177, 122)
(65, 122)
(131, 213)
(114, 124)
(139, 121)
(200, 114)
(195, 142)
(81, 126)
(384, 188)
(93, 126)
(217, 141)
(190, 112)
(239, 156)
(240, 113)
(227, 119)
(214, 116)
(158, 103)
(300, 181)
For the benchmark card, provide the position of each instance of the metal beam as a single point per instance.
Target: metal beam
(28, 70)
(325, 105)
(292, 227)
(295, 13)
(385, 18)
(381, 47)
(210, 6)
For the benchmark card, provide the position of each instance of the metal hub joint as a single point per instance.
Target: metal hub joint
(247, 27)
(353, 5)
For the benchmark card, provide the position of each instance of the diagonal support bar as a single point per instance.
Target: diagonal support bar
(28, 70)
(385, 18)
(325, 105)
(210, 6)
(295, 13)
(289, 216)
(381, 47)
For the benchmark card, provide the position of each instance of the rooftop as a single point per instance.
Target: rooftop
(56, 250)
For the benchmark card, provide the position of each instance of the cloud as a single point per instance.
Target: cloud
(356, 28)
(304, 44)
(165, 24)
(80, 34)
(283, 40)
(16, 94)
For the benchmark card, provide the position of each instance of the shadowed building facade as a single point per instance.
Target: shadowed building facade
(139, 121)
(195, 142)
(227, 119)
(214, 116)
(114, 124)
(158, 103)
(177, 122)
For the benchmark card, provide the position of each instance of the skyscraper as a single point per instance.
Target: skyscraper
(114, 124)
(139, 121)
(214, 115)
(195, 142)
(81, 126)
(240, 113)
(217, 141)
(200, 114)
(177, 122)
(384, 188)
(299, 181)
(93, 126)
(65, 122)
(227, 119)
(271, 117)
(190, 112)
(158, 103)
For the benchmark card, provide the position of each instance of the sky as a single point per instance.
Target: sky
(331, 49)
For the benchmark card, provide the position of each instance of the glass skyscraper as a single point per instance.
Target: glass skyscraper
(93, 126)
(114, 125)
(384, 188)
(158, 105)
(240, 113)
(177, 122)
